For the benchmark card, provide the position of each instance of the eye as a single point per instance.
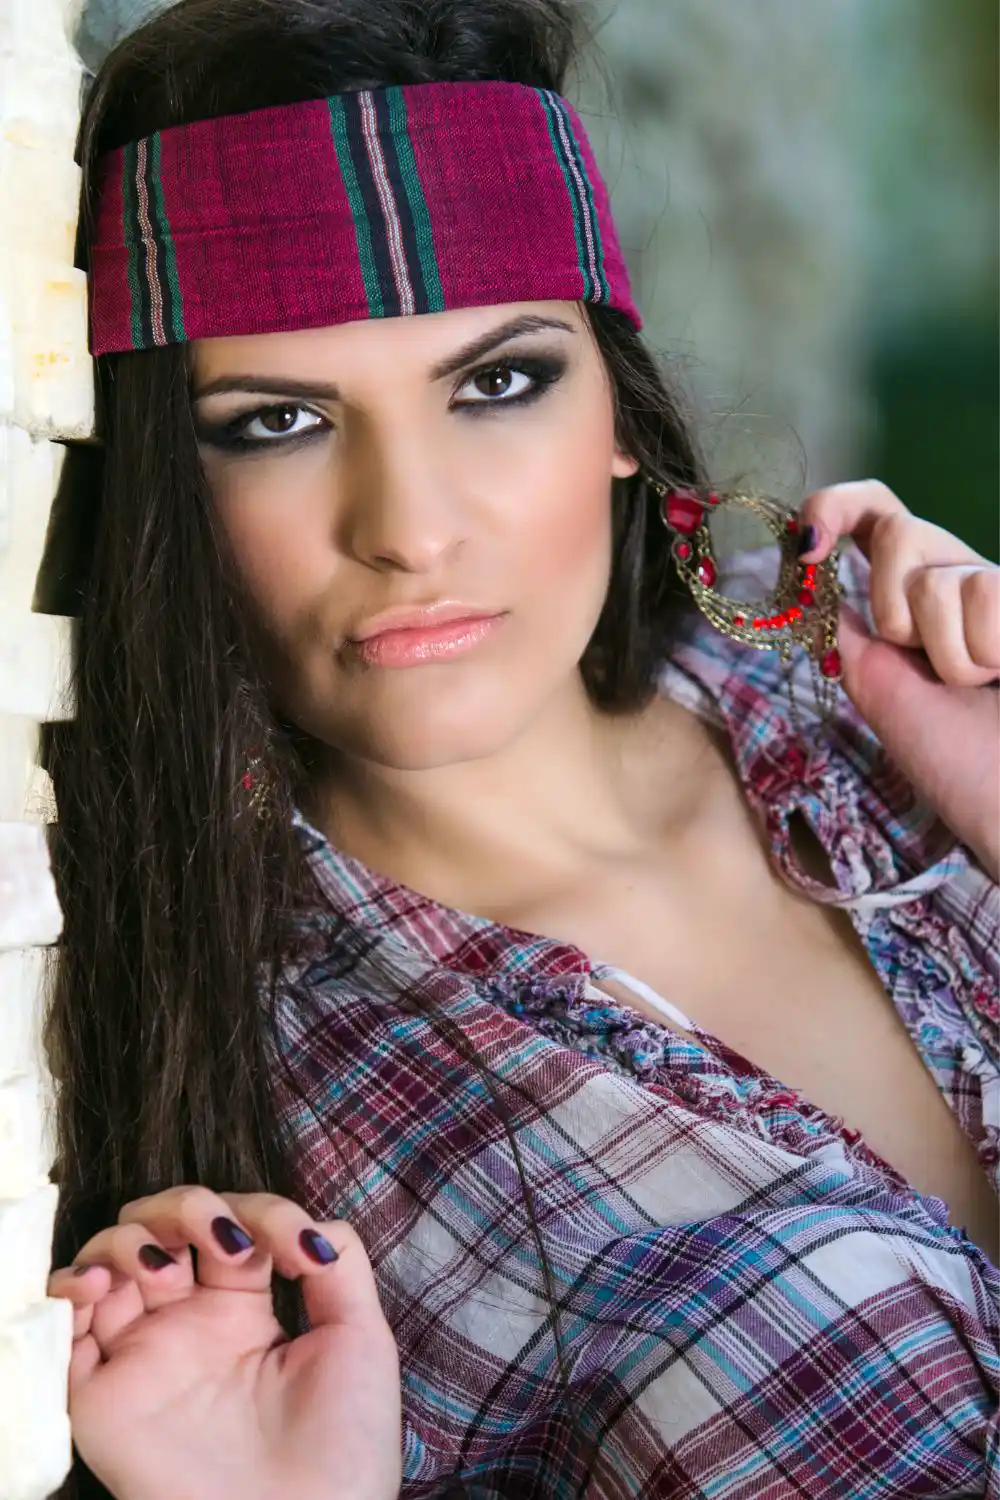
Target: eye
(497, 384)
(277, 422)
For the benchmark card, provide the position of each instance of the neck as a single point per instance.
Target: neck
(482, 835)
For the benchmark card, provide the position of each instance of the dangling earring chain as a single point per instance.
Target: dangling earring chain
(801, 610)
(254, 781)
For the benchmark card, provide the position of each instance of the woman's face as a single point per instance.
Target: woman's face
(450, 472)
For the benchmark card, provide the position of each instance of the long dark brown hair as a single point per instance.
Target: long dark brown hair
(175, 897)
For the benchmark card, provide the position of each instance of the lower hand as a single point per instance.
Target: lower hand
(935, 713)
(188, 1389)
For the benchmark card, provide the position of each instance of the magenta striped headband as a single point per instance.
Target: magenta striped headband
(376, 204)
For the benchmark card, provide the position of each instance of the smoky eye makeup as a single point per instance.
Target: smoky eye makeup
(291, 425)
(543, 370)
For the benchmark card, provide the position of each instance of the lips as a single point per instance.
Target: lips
(430, 636)
(417, 617)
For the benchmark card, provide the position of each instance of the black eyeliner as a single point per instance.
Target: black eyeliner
(227, 436)
(544, 370)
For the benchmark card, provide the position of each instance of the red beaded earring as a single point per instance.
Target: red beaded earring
(802, 608)
(254, 782)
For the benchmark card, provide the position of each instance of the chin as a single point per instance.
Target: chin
(416, 746)
(443, 724)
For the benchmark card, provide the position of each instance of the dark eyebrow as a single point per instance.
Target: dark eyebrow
(277, 385)
(487, 342)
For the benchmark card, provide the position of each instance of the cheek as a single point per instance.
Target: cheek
(564, 533)
(285, 559)
(282, 558)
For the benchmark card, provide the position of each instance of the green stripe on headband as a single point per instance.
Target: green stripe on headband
(571, 192)
(130, 217)
(586, 228)
(362, 229)
(175, 319)
(396, 102)
(602, 291)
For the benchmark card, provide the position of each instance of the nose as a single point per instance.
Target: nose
(399, 512)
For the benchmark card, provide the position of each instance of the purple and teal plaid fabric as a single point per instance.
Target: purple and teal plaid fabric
(744, 1301)
(381, 203)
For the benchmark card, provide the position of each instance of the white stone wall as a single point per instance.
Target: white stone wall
(46, 394)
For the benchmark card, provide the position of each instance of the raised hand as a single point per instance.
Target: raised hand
(185, 1388)
(923, 680)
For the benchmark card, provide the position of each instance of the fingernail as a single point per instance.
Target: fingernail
(154, 1259)
(808, 537)
(317, 1248)
(80, 1270)
(230, 1236)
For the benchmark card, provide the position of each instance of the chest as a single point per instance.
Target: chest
(786, 983)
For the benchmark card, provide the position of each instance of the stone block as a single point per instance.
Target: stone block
(24, 978)
(36, 664)
(29, 908)
(26, 1224)
(39, 192)
(35, 1448)
(6, 358)
(29, 474)
(25, 1152)
(46, 373)
(39, 99)
(19, 738)
(38, 28)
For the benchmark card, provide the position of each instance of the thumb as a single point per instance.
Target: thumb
(344, 1292)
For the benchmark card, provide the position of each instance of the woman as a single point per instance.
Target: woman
(394, 716)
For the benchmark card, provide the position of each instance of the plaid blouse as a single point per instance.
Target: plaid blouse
(737, 1297)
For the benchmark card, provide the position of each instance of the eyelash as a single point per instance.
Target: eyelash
(544, 371)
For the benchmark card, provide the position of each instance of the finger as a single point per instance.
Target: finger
(897, 557)
(83, 1286)
(193, 1216)
(849, 509)
(295, 1242)
(936, 604)
(107, 1300)
(132, 1252)
(114, 1313)
(981, 604)
(862, 507)
(84, 1359)
(345, 1291)
(902, 549)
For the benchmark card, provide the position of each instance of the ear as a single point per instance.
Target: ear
(623, 467)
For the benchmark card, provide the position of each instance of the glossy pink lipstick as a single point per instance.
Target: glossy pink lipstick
(416, 637)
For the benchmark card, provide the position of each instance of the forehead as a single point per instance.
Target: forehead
(394, 343)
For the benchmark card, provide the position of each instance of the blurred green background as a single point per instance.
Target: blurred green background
(807, 192)
(934, 362)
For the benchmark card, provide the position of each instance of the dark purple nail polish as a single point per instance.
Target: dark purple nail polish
(154, 1259)
(808, 537)
(230, 1236)
(317, 1248)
